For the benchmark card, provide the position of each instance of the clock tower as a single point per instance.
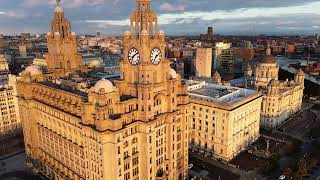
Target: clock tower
(144, 60)
(145, 72)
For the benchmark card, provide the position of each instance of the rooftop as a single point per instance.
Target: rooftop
(67, 89)
(217, 93)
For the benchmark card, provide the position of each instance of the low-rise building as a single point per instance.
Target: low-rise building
(223, 120)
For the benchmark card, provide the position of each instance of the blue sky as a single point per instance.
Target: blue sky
(177, 17)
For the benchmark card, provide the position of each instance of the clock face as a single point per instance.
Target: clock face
(156, 56)
(134, 56)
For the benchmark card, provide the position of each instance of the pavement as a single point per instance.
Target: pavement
(14, 168)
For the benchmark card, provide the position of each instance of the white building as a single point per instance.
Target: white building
(9, 116)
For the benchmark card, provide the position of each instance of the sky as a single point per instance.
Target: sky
(176, 17)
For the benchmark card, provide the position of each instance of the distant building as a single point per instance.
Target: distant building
(289, 49)
(277, 49)
(25, 35)
(219, 46)
(23, 51)
(174, 53)
(224, 120)
(209, 36)
(243, 54)
(227, 60)
(9, 117)
(4, 70)
(203, 62)
(92, 60)
(40, 61)
(280, 98)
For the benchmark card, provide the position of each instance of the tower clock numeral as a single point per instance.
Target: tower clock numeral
(156, 56)
(133, 56)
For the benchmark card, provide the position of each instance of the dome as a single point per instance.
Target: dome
(173, 73)
(104, 84)
(94, 63)
(32, 70)
(73, 34)
(269, 59)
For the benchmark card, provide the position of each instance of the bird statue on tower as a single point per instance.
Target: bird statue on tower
(58, 2)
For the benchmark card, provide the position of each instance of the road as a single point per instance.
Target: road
(214, 168)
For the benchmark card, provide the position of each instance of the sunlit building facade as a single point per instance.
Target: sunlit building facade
(133, 128)
(223, 120)
(9, 111)
(281, 99)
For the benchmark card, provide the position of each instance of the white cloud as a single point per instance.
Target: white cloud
(167, 7)
(244, 13)
(124, 22)
(66, 3)
(13, 14)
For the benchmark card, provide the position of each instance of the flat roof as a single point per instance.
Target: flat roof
(217, 93)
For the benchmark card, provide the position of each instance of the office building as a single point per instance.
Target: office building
(203, 62)
(223, 120)
(132, 128)
(219, 46)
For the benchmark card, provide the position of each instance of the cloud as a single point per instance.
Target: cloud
(243, 13)
(67, 3)
(175, 16)
(167, 7)
(12, 14)
(125, 22)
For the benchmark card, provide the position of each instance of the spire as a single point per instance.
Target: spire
(60, 25)
(58, 8)
(144, 19)
(58, 2)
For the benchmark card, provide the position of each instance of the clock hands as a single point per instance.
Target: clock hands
(134, 55)
(156, 56)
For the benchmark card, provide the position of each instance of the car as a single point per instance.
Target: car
(190, 166)
(282, 177)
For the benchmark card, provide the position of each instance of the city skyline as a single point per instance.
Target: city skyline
(182, 17)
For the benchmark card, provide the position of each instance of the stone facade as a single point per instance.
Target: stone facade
(9, 116)
(62, 57)
(223, 126)
(203, 62)
(133, 128)
(281, 98)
